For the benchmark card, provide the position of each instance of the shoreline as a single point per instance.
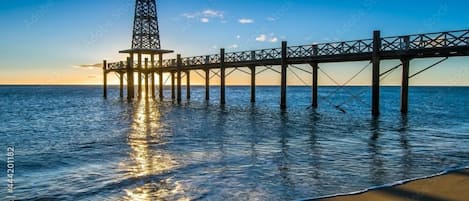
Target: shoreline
(448, 185)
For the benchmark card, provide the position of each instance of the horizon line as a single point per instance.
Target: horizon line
(232, 85)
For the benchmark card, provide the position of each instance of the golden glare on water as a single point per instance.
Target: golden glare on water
(147, 160)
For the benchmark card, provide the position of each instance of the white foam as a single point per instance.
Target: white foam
(397, 183)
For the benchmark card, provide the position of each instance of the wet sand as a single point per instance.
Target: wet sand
(453, 186)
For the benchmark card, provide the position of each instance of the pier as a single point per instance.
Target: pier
(280, 59)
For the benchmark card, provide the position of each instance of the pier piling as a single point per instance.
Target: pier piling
(222, 76)
(121, 84)
(139, 79)
(173, 85)
(152, 70)
(178, 73)
(146, 78)
(283, 87)
(315, 85)
(253, 83)
(105, 79)
(188, 85)
(160, 78)
(376, 71)
(405, 78)
(207, 84)
(405, 85)
(130, 78)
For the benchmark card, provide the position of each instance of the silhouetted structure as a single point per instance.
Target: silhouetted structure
(146, 34)
(145, 41)
(404, 48)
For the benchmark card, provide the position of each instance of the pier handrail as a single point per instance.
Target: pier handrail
(425, 41)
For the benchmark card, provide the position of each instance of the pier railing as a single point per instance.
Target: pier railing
(426, 41)
(451, 39)
(116, 65)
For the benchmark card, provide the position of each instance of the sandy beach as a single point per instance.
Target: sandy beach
(453, 186)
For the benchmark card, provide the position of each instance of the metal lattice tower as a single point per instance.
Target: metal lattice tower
(146, 33)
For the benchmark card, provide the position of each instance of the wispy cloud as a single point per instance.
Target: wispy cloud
(261, 38)
(212, 13)
(267, 38)
(204, 20)
(271, 19)
(205, 16)
(245, 21)
(234, 46)
(89, 66)
(188, 15)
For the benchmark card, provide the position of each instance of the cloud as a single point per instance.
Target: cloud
(89, 66)
(271, 19)
(264, 38)
(212, 13)
(234, 46)
(261, 38)
(188, 15)
(205, 16)
(245, 21)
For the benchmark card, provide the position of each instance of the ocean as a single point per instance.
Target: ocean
(71, 144)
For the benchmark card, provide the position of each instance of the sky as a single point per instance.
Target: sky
(49, 41)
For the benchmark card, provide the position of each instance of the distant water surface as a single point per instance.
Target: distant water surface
(70, 144)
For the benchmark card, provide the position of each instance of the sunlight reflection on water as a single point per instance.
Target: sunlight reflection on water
(149, 160)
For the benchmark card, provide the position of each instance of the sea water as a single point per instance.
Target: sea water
(71, 144)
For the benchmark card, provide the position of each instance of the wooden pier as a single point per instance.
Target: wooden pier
(403, 48)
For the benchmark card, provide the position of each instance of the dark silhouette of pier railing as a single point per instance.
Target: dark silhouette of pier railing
(404, 48)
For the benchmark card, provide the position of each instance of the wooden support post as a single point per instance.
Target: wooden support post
(152, 71)
(253, 83)
(207, 84)
(222, 76)
(314, 89)
(130, 78)
(283, 87)
(146, 78)
(179, 88)
(405, 78)
(121, 84)
(188, 85)
(376, 72)
(253, 77)
(173, 85)
(105, 79)
(139, 79)
(160, 78)
(405, 85)
(315, 67)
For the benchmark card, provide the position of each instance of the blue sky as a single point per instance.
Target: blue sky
(43, 41)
